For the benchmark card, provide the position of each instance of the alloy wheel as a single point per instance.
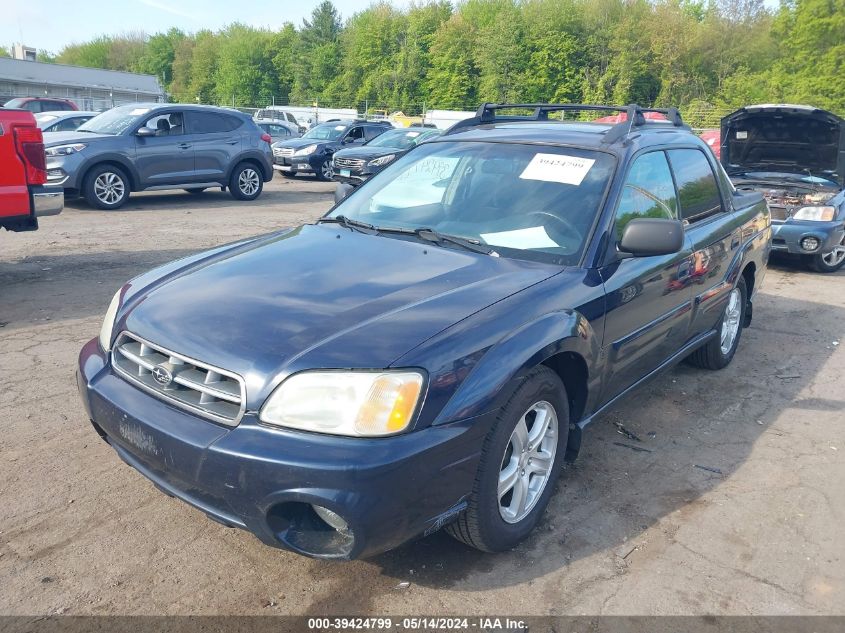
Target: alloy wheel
(835, 257)
(326, 170)
(527, 462)
(248, 182)
(730, 323)
(109, 188)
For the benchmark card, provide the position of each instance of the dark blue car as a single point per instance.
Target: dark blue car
(427, 354)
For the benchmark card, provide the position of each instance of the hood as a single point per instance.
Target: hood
(318, 296)
(786, 139)
(297, 143)
(51, 139)
(367, 153)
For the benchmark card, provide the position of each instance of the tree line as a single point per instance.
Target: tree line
(701, 55)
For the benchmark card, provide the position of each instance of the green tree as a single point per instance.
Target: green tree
(159, 55)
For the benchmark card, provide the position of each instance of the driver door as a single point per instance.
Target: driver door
(168, 157)
(648, 298)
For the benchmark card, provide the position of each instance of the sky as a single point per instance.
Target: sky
(52, 24)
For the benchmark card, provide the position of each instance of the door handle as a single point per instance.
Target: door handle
(235, 142)
(184, 145)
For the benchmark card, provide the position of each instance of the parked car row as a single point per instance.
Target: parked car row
(427, 354)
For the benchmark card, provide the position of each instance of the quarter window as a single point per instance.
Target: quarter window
(648, 192)
(697, 188)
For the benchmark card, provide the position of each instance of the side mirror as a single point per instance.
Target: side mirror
(145, 131)
(645, 237)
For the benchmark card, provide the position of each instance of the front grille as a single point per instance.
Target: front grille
(283, 151)
(352, 163)
(214, 393)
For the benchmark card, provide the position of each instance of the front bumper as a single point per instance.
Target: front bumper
(299, 164)
(261, 479)
(788, 236)
(47, 201)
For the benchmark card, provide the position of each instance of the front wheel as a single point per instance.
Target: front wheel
(106, 187)
(719, 351)
(519, 465)
(246, 182)
(325, 171)
(829, 262)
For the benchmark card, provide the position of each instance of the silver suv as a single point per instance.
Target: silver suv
(143, 147)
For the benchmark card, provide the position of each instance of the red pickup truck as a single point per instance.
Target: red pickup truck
(23, 173)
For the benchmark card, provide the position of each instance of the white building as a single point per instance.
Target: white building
(89, 88)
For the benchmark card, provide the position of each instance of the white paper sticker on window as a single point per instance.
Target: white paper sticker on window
(340, 127)
(741, 135)
(138, 111)
(413, 134)
(569, 170)
(535, 237)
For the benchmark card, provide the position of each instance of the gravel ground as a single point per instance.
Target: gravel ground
(757, 530)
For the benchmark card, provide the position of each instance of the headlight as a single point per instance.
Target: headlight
(64, 150)
(305, 151)
(356, 403)
(382, 161)
(817, 214)
(108, 322)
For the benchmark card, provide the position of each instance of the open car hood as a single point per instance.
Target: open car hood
(784, 138)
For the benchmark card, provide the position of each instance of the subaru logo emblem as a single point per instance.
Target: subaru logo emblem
(162, 375)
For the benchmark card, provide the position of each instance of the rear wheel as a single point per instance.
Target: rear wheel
(245, 183)
(829, 262)
(519, 465)
(106, 187)
(719, 351)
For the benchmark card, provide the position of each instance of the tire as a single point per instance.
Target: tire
(325, 171)
(106, 187)
(830, 262)
(196, 191)
(494, 523)
(246, 182)
(718, 352)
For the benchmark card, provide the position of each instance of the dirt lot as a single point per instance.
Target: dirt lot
(757, 530)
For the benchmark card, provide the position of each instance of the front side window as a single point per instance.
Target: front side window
(697, 188)
(355, 134)
(69, 124)
(167, 124)
(523, 201)
(648, 192)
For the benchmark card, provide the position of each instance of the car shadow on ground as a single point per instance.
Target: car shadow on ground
(692, 430)
(212, 198)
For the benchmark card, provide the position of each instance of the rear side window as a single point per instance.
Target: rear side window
(648, 192)
(58, 105)
(210, 122)
(372, 131)
(697, 188)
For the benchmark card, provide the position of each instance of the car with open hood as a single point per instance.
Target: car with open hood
(795, 156)
(312, 153)
(428, 353)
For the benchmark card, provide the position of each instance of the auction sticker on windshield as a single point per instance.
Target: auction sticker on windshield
(568, 170)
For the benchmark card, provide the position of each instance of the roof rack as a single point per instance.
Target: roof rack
(635, 116)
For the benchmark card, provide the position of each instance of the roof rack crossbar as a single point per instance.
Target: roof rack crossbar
(634, 115)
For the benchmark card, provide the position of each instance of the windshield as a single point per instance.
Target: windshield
(15, 103)
(401, 139)
(325, 132)
(114, 121)
(521, 200)
(43, 119)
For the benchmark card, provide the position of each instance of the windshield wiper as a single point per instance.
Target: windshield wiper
(349, 223)
(430, 235)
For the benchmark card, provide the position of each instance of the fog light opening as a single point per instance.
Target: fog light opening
(810, 243)
(311, 529)
(332, 518)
